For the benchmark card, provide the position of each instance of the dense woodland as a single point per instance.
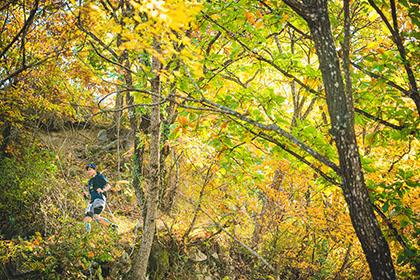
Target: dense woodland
(242, 139)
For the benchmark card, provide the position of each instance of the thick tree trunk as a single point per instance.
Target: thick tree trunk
(140, 264)
(340, 110)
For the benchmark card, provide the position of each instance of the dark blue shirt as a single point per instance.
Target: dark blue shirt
(97, 182)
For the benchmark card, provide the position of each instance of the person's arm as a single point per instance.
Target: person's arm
(106, 186)
(85, 192)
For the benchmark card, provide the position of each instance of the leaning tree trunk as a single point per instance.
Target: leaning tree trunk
(340, 110)
(139, 269)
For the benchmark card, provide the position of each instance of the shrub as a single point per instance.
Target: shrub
(71, 253)
(24, 181)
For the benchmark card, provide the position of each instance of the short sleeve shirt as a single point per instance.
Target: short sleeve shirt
(99, 181)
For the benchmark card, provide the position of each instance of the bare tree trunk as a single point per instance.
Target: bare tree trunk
(172, 113)
(138, 152)
(259, 223)
(117, 121)
(341, 113)
(296, 112)
(267, 205)
(206, 181)
(140, 264)
(119, 102)
(173, 181)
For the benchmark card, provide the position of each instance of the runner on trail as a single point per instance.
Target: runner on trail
(97, 186)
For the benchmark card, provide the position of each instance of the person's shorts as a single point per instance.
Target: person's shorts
(96, 207)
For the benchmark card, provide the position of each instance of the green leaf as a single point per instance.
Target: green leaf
(385, 206)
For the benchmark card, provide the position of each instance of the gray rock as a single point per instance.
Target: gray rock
(198, 256)
(102, 135)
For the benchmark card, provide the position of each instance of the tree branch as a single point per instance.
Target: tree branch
(109, 60)
(94, 37)
(376, 76)
(413, 94)
(20, 70)
(265, 262)
(294, 154)
(299, 7)
(26, 25)
(294, 78)
(271, 127)
(379, 120)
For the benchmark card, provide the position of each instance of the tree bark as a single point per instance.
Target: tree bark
(140, 264)
(341, 113)
(134, 119)
(171, 114)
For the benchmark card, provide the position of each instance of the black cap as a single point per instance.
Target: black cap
(90, 165)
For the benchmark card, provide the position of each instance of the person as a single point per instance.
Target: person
(97, 186)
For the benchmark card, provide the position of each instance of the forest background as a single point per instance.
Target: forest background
(243, 139)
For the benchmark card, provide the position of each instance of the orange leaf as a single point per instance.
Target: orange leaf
(250, 17)
(182, 120)
(381, 50)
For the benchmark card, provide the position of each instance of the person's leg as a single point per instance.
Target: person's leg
(97, 212)
(88, 217)
(87, 220)
(99, 206)
(102, 220)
